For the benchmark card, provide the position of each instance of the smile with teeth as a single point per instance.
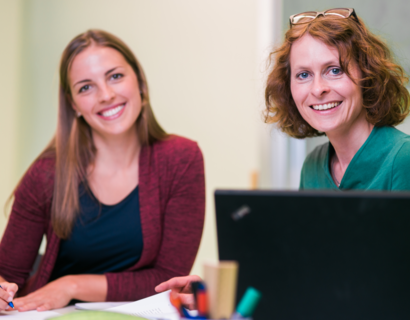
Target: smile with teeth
(112, 112)
(326, 106)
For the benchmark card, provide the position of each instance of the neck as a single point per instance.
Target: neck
(117, 151)
(347, 142)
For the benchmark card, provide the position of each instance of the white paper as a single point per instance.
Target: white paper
(35, 315)
(98, 305)
(155, 307)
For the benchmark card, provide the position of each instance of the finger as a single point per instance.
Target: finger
(3, 305)
(174, 283)
(45, 307)
(18, 303)
(161, 287)
(27, 303)
(5, 299)
(178, 283)
(4, 295)
(28, 307)
(188, 300)
(11, 288)
(8, 291)
(167, 285)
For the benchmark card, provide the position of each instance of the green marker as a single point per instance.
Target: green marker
(248, 303)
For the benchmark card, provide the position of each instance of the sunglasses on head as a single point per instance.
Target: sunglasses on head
(309, 16)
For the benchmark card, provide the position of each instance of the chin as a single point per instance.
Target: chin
(325, 128)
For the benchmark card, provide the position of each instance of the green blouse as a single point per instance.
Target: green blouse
(382, 163)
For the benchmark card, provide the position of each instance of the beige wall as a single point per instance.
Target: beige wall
(202, 65)
(10, 40)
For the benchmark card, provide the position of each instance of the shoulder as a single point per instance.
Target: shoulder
(43, 166)
(400, 172)
(43, 169)
(175, 162)
(176, 147)
(396, 141)
(388, 140)
(392, 134)
(174, 154)
(401, 156)
(39, 178)
(34, 193)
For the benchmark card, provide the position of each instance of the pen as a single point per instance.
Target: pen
(186, 315)
(201, 299)
(9, 303)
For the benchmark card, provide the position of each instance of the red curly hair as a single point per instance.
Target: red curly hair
(385, 96)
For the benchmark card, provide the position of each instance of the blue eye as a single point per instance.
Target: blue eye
(84, 88)
(336, 71)
(303, 75)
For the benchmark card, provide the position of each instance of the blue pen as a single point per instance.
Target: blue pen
(9, 303)
(186, 314)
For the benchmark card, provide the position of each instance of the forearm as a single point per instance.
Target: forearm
(87, 287)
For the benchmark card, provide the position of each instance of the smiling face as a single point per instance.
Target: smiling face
(104, 89)
(325, 96)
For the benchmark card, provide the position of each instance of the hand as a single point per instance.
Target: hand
(54, 295)
(7, 294)
(182, 286)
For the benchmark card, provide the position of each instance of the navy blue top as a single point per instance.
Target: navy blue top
(105, 238)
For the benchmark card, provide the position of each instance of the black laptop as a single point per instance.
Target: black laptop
(319, 255)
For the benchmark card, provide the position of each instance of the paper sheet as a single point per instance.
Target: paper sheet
(154, 307)
(98, 305)
(35, 315)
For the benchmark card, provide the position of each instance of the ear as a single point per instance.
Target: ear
(73, 105)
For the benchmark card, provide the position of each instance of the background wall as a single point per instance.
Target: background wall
(10, 58)
(205, 62)
(203, 66)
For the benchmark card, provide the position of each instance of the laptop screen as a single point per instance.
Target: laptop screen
(319, 255)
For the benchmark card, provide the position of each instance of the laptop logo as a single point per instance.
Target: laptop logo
(240, 213)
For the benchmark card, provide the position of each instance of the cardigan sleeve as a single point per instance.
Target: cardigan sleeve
(183, 220)
(26, 226)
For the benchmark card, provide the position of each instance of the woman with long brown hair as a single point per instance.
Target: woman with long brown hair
(120, 201)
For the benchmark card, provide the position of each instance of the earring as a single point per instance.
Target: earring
(78, 114)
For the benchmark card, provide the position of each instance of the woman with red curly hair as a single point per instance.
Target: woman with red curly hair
(333, 77)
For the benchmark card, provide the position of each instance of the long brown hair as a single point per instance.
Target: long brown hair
(385, 96)
(73, 145)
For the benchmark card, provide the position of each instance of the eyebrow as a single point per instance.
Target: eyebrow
(326, 63)
(88, 80)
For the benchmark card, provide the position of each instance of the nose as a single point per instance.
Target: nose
(320, 87)
(106, 93)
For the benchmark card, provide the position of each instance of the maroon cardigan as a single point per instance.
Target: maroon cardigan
(172, 207)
